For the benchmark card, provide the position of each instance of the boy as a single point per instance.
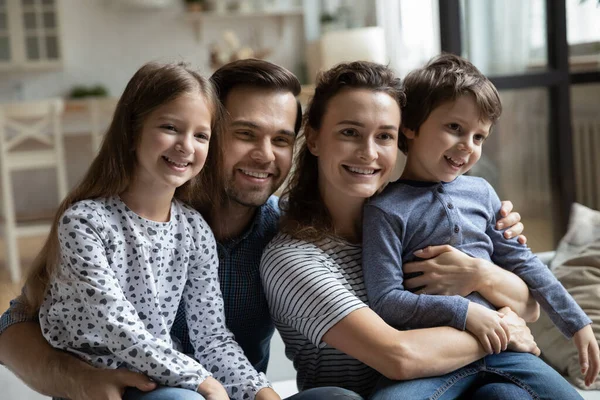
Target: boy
(451, 108)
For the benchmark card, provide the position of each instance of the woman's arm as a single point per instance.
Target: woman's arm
(403, 355)
(447, 271)
(52, 372)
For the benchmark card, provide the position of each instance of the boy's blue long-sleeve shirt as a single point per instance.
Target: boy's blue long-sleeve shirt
(408, 216)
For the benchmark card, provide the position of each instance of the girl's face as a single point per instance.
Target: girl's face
(356, 145)
(173, 143)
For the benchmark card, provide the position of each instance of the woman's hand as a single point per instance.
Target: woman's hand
(445, 271)
(521, 339)
(511, 221)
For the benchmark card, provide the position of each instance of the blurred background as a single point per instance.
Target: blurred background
(543, 55)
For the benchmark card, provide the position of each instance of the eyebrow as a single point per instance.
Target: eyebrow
(356, 123)
(254, 125)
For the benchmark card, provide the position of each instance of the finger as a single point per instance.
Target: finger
(522, 239)
(513, 231)
(134, 379)
(415, 266)
(505, 208)
(594, 361)
(506, 332)
(536, 351)
(432, 251)
(496, 342)
(487, 346)
(583, 359)
(416, 282)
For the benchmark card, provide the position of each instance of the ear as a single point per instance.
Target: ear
(311, 140)
(409, 133)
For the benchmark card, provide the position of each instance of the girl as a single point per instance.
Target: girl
(125, 248)
(312, 272)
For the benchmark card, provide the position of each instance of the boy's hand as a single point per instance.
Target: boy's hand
(589, 355)
(211, 389)
(489, 327)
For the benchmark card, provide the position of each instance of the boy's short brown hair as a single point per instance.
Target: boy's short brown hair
(445, 78)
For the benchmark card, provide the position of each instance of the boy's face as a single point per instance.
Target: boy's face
(448, 143)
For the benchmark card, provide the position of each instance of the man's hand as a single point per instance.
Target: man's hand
(589, 357)
(107, 384)
(489, 327)
(521, 339)
(512, 221)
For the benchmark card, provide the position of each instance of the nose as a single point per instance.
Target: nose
(185, 144)
(466, 144)
(367, 150)
(263, 152)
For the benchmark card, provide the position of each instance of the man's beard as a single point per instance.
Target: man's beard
(255, 197)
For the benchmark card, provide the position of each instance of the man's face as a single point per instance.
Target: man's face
(258, 143)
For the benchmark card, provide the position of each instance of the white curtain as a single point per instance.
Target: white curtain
(411, 31)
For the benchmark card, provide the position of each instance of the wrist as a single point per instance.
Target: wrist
(267, 394)
(483, 275)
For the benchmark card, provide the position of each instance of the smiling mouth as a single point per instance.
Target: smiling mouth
(255, 174)
(176, 164)
(361, 171)
(455, 163)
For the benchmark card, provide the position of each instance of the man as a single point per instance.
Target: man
(263, 121)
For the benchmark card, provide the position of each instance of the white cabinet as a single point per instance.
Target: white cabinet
(30, 34)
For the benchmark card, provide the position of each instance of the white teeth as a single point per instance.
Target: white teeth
(255, 174)
(455, 163)
(176, 163)
(363, 171)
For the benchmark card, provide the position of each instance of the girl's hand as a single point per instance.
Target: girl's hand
(211, 389)
(489, 327)
(521, 339)
(589, 355)
(267, 394)
(445, 271)
(512, 221)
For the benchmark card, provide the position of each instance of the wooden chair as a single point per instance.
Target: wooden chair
(101, 111)
(39, 121)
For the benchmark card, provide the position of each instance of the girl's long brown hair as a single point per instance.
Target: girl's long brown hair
(305, 215)
(112, 169)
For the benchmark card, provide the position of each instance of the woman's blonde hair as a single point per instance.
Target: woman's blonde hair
(112, 169)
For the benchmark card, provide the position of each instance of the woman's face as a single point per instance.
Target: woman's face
(356, 145)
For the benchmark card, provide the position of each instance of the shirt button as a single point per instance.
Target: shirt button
(440, 190)
(450, 206)
(456, 229)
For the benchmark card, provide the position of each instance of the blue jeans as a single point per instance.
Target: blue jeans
(324, 393)
(168, 393)
(162, 393)
(510, 374)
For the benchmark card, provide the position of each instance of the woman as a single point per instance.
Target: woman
(312, 272)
